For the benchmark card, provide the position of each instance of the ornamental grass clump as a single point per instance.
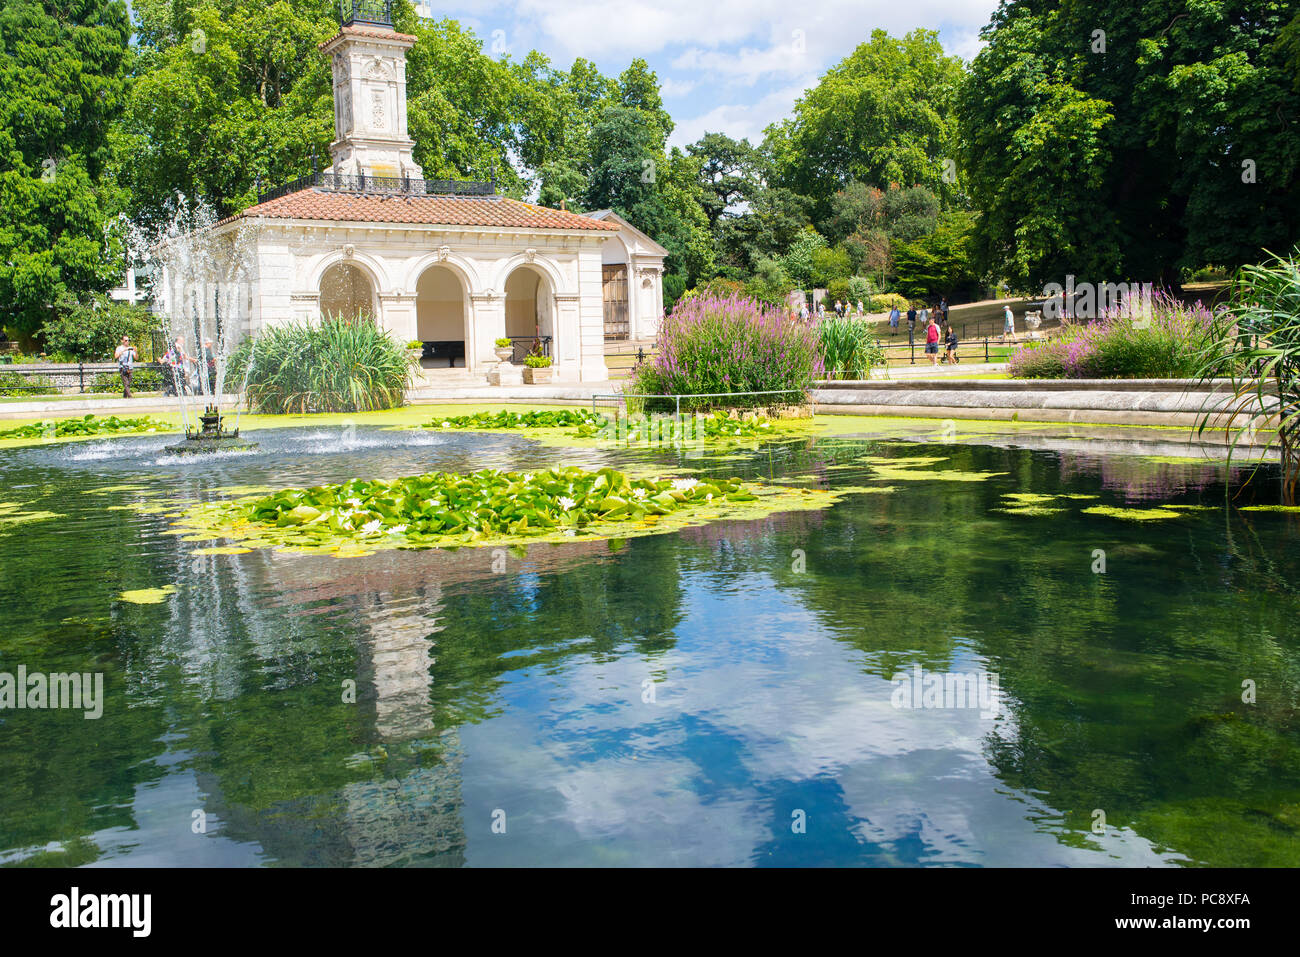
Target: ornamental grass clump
(848, 348)
(1167, 344)
(335, 365)
(715, 344)
(1256, 345)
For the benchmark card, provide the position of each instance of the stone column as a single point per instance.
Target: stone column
(649, 295)
(397, 315)
(486, 324)
(634, 309)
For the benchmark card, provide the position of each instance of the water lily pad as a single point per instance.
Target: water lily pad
(490, 507)
(221, 550)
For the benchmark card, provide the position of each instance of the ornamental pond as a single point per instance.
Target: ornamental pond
(780, 686)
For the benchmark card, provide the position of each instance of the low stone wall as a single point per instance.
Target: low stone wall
(1106, 402)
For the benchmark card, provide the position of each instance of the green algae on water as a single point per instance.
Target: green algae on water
(147, 596)
(12, 513)
(1041, 511)
(1133, 514)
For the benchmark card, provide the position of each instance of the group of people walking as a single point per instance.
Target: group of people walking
(935, 325)
(937, 328)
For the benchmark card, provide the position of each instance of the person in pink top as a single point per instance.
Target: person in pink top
(932, 342)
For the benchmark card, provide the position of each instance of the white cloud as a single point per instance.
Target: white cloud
(739, 63)
(671, 87)
(607, 29)
(741, 120)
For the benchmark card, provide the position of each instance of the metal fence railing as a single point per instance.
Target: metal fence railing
(61, 378)
(985, 349)
(523, 347)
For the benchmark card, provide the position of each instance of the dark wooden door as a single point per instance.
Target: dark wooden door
(614, 285)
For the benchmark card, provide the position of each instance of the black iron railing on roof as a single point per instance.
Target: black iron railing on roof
(378, 12)
(394, 185)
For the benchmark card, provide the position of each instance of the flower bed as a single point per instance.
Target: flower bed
(1168, 345)
(712, 344)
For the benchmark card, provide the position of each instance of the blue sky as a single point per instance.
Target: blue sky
(730, 66)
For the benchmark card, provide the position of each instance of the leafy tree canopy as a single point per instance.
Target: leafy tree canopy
(883, 115)
(1125, 142)
(62, 78)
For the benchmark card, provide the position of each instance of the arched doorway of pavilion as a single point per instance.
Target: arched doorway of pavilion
(346, 292)
(530, 312)
(441, 310)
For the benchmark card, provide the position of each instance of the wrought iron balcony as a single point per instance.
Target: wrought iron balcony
(399, 185)
(377, 12)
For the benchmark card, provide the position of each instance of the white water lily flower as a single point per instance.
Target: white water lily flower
(566, 503)
(446, 424)
(709, 497)
(397, 530)
(638, 493)
(372, 526)
(354, 502)
(685, 484)
(765, 425)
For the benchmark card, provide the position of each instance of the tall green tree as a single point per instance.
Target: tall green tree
(730, 173)
(62, 79)
(1121, 142)
(560, 108)
(228, 93)
(885, 114)
(235, 92)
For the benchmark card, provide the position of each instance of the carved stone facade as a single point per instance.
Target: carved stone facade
(370, 136)
(453, 272)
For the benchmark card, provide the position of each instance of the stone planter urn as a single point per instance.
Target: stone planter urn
(504, 353)
(537, 376)
(1033, 320)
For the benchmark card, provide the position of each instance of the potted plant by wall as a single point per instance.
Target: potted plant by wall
(415, 349)
(505, 349)
(537, 370)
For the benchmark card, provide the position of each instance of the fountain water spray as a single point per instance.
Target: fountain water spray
(192, 264)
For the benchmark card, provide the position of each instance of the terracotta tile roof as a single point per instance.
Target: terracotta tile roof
(380, 33)
(345, 207)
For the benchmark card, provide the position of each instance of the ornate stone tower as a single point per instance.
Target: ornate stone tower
(368, 59)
